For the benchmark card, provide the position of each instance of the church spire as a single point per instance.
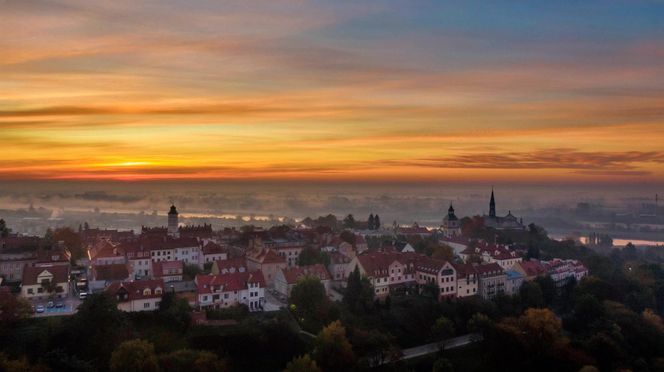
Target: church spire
(492, 205)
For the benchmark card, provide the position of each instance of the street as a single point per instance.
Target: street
(433, 347)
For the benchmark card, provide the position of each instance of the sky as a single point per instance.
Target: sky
(393, 91)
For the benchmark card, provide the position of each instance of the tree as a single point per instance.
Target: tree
(187, 360)
(548, 288)
(310, 302)
(312, 256)
(13, 308)
(531, 295)
(302, 363)
(134, 356)
(190, 271)
(332, 350)
(71, 240)
(371, 222)
(359, 292)
(442, 330)
(349, 222)
(442, 365)
(4, 231)
(376, 222)
(442, 252)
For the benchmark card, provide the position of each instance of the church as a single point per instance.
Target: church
(508, 222)
(451, 225)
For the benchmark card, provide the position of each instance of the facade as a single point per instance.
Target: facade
(141, 295)
(492, 280)
(513, 282)
(287, 278)
(529, 269)
(268, 262)
(168, 271)
(491, 253)
(440, 273)
(467, 280)
(508, 222)
(226, 290)
(45, 282)
(564, 271)
(338, 267)
(173, 222)
(451, 225)
(12, 264)
(212, 252)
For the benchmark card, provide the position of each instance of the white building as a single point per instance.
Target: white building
(142, 295)
(226, 290)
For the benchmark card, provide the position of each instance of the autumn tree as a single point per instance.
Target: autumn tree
(332, 350)
(442, 329)
(302, 363)
(359, 292)
(309, 302)
(134, 356)
(187, 360)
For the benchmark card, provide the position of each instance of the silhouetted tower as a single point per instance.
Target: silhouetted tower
(450, 212)
(173, 221)
(492, 205)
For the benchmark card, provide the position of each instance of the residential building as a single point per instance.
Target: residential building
(467, 279)
(564, 271)
(268, 262)
(492, 280)
(233, 265)
(168, 271)
(529, 269)
(140, 295)
(338, 267)
(287, 278)
(226, 290)
(513, 282)
(104, 275)
(46, 281)
(212, 252)
(440, 273)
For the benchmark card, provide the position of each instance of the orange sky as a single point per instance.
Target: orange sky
(298, 90)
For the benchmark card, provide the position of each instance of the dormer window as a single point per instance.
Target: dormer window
(157, 290)
(147, 292)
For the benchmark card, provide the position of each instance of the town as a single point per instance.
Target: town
(319, 275)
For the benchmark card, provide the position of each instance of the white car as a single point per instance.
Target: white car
(83, 295)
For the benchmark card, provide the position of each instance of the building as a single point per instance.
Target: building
(141, 295)
(451, 225)
(513, 282)
(173, 222)
(233, 265)
(439, 273)
(492, 280)
(508, 222)
(105, 275)
(226, 290)
(289, 250)
(387, 271)
(12, 264)
(287, 278)
(490, 253)
(564, 271)
(338, 267)
(268, 262)
(529, 269)
(467, 280)
(44, 282)
(105, 253)
(168, 271)
(212, 252)
(139, 259)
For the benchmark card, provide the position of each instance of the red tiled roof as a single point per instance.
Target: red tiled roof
(214, 248)
(378, 263)
(235, 263)
(60, 273)
(267, 256)
(532, 267)
(464, 270)
(228, 282)
(135, 290)
(294, 274)
(166, 268)
(489, 269)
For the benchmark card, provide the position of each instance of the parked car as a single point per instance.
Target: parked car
(59, 305)
(40, 308)
(50, 305)
(83, 295)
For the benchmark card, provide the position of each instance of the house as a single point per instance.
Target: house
(490, 253)
(212, 252)
(287, 278)
(233, 265)
(440, 273)
(226, 290)
(564, 271)
(492, 280)
(268, 262)
(289, 250)
(12, 264)
(529, 269)
(106, 253)
(139, 259)
(467, 280)
(104, 275)
(45, 281)
(168, 271)
(338, 267)
(140, 295)
(182, 249)
(513, 282)
(387, 271)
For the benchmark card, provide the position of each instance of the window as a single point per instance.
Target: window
(146, 305)
(31, 291)
(147, 292)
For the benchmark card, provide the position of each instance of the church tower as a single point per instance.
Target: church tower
(173, 222)
(492, 206)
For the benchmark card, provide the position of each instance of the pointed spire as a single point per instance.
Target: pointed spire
(492, 205)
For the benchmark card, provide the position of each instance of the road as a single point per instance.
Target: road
(433, 347)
